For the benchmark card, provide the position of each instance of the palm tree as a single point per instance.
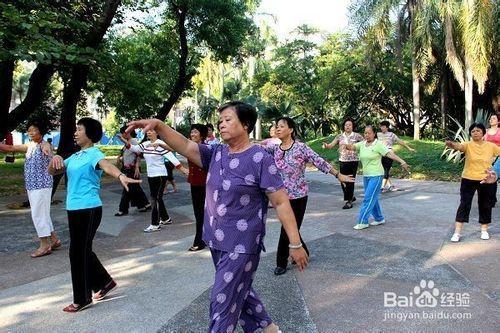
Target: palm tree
(469, 42)
(414, 21)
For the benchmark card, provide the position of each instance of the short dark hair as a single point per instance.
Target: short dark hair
(124, 128)
(210, 126)
(93, 128)
(246, 113)
(42, 126)
(385, 123)
(373, 129)
(346, 120)
(478, 125)
(203, 129)
(290, 123)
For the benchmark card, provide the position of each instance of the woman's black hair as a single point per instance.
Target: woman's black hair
(373, 129)
(93, 128)
(124, 128)
(385, 123)
(478, 125)
(290, 123)
(203, 129)
(210, 126)
(346, 120)
(42, 126)
(247, 115)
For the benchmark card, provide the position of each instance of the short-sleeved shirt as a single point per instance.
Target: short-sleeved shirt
(291, 164)
(389, 139)
(478, 158)
(494, 138)
(371, 157)
(346, 155)
(236, 201)
(154, 157)
(84, 179)
(36, 174)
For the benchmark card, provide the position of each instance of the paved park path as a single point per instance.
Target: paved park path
(429, 283)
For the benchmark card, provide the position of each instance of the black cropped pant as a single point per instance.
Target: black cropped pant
(348, 168)
(486, 197)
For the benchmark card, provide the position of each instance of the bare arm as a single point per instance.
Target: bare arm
(113, 171)
(56, 165)
(279, 200)
(396, 158)
(174, 139)
(331, 144)
(455, 145)
(404, 144)
(13, 148)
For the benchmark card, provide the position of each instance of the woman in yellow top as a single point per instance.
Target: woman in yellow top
(479, 156)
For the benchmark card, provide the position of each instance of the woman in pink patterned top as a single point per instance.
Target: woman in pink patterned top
(348, 159)
(291, 158)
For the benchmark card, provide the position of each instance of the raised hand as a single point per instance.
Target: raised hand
(145, 124)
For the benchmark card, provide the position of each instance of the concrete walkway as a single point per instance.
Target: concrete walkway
(403, 276)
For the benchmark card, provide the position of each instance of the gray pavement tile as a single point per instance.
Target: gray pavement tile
(281, 295)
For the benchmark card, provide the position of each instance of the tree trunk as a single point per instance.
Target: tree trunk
(71, 95)
(469, 84)
(182, 77)
(444, 98)
(416, 101)
(6, 75)
(39, 81)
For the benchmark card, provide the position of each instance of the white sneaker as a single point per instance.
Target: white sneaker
(361, 226)
(377, 222)
(455, 238)
(153, 228)
(485, 235)
(169, 221)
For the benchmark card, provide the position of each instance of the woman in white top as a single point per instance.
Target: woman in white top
(348, 159)
(155, 151)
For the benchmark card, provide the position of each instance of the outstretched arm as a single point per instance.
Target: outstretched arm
(404, 144)
(13, 148)
(331, 144)
(454, 145)
(113, 171)
(174, 139)
(396, 158)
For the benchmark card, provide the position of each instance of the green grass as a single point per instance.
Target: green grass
(425, 163)
(12, 177)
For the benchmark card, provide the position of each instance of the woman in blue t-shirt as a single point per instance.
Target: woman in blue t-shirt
(84, 170)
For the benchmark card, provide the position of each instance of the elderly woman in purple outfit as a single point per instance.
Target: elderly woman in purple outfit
(241, 178)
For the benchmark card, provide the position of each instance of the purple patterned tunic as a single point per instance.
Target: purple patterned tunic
(236, 201)
(292, 166)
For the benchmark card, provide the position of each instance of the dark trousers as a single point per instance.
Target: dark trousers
(387, 164)
(87, 272)
(156, 187)
(135, 196)
(348, 168)
(198, 198)
(485, 200)
(299, 208)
